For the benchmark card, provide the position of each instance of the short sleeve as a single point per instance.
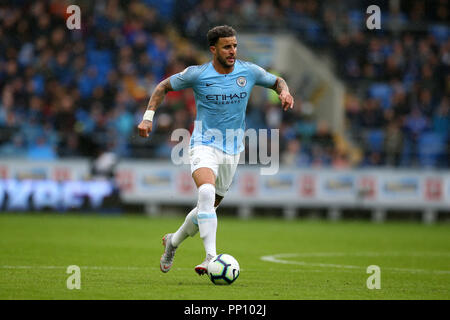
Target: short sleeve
(184, 79)
(262, 77)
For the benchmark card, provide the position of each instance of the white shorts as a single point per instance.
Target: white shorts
(222, 164)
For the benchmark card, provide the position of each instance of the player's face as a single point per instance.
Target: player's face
(225, 51)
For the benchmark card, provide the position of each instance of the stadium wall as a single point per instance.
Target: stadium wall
(63, 185)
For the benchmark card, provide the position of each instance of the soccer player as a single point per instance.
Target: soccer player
(221, 88)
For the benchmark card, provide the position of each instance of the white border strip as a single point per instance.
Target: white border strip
(281, 258)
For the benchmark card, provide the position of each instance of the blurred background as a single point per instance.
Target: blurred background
(368, 137)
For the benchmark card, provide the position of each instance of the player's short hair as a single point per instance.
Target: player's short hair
(215, 33)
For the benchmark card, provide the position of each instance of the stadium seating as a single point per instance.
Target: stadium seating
(108, 69)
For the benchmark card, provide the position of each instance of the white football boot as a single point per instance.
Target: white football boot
(202, 268)
(169, 253)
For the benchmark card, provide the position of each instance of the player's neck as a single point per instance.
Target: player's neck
(221, 68)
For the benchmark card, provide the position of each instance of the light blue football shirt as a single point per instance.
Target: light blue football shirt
(221, 101)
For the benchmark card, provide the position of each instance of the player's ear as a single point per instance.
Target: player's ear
(212, 49)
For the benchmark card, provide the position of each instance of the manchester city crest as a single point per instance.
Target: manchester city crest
(241, 81)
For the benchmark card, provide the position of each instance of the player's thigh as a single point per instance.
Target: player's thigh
(204, 165)
(226, 174)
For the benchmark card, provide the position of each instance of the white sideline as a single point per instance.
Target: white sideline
(281, 258)
(86, 267)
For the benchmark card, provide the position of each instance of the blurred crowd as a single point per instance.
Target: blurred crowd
(81, 93)
(397, 78)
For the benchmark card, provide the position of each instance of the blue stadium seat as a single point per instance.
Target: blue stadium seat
(313, 30)
(164, 7)
(38, 84)
(102, 60)
(305, 128)
(431, 148)
(382, 92)
(356, 18)
(440, 32)
(374, 140)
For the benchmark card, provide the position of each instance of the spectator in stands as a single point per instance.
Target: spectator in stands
(69, 84)
(393, 143)
(294, 155)
(415, 125)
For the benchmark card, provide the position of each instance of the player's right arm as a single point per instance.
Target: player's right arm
(178, 81)
(156, 99)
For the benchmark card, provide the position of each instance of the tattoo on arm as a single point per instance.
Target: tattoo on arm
(280, 85)
(158, 94)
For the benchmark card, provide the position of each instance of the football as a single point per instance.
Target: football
(223, 269)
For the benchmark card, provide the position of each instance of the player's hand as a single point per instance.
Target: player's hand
(287, 101)
(145, 127)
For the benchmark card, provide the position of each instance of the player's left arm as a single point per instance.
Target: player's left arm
(281, 87)
(266, 79)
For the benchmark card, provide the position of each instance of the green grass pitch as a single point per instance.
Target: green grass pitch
(119, 259)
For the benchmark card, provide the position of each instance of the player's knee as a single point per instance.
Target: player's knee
(206, 197)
